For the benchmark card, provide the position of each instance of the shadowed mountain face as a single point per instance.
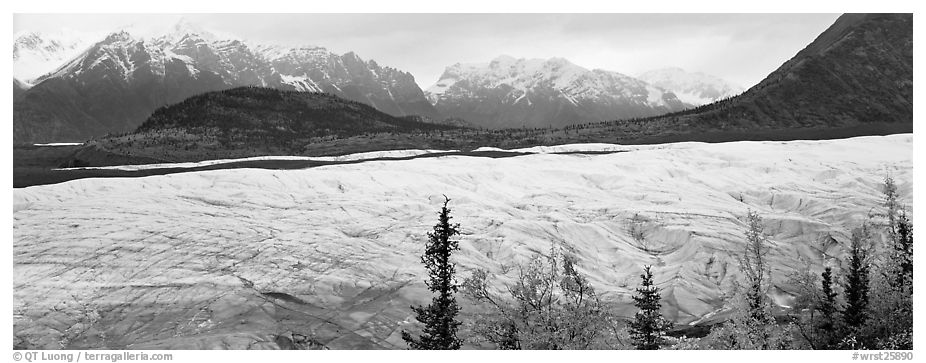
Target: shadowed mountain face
(115, 84)
(859, 71)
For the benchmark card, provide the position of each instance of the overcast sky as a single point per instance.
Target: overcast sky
(741, 48)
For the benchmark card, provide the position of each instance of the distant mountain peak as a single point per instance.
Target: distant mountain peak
(695, 88)
(121, 35)
(185, 29)
(515, 92)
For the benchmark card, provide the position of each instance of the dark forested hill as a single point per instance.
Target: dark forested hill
(273, 112)
(254, 121)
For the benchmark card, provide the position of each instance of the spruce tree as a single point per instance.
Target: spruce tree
(828, 309)
(828, 305)
(439, 318)
(903, 251)
(856, 280)
(648, 327)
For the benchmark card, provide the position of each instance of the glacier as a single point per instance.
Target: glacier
(239, 258)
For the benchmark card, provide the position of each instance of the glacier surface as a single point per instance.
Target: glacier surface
(239, 258)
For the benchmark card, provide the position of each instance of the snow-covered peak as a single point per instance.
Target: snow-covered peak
(523, 75)
(510, 92)
(506, 70)
(121, 36)
(185, 30)
(37, 53)
(694, 88)
(114, 53)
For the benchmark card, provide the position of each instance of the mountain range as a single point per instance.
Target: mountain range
(509, 92)
(856, 74)
(116, 83)
(76, 86)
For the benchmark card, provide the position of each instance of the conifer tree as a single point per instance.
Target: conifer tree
(828, 305)
(856, 279)
(828, 309)
(903, 251)
(648, 327)
(755, 268)
(439, 318)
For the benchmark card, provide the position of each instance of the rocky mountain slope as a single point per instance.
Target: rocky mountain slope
(509, 92)
(348, 76)
(859, 71)
(693, 88)
(250, 258)
(116, 83)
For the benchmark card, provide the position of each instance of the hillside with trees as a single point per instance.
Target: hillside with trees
(250, 121)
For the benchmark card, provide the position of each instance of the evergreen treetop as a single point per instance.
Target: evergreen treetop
(648, 327)
(439, 318)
